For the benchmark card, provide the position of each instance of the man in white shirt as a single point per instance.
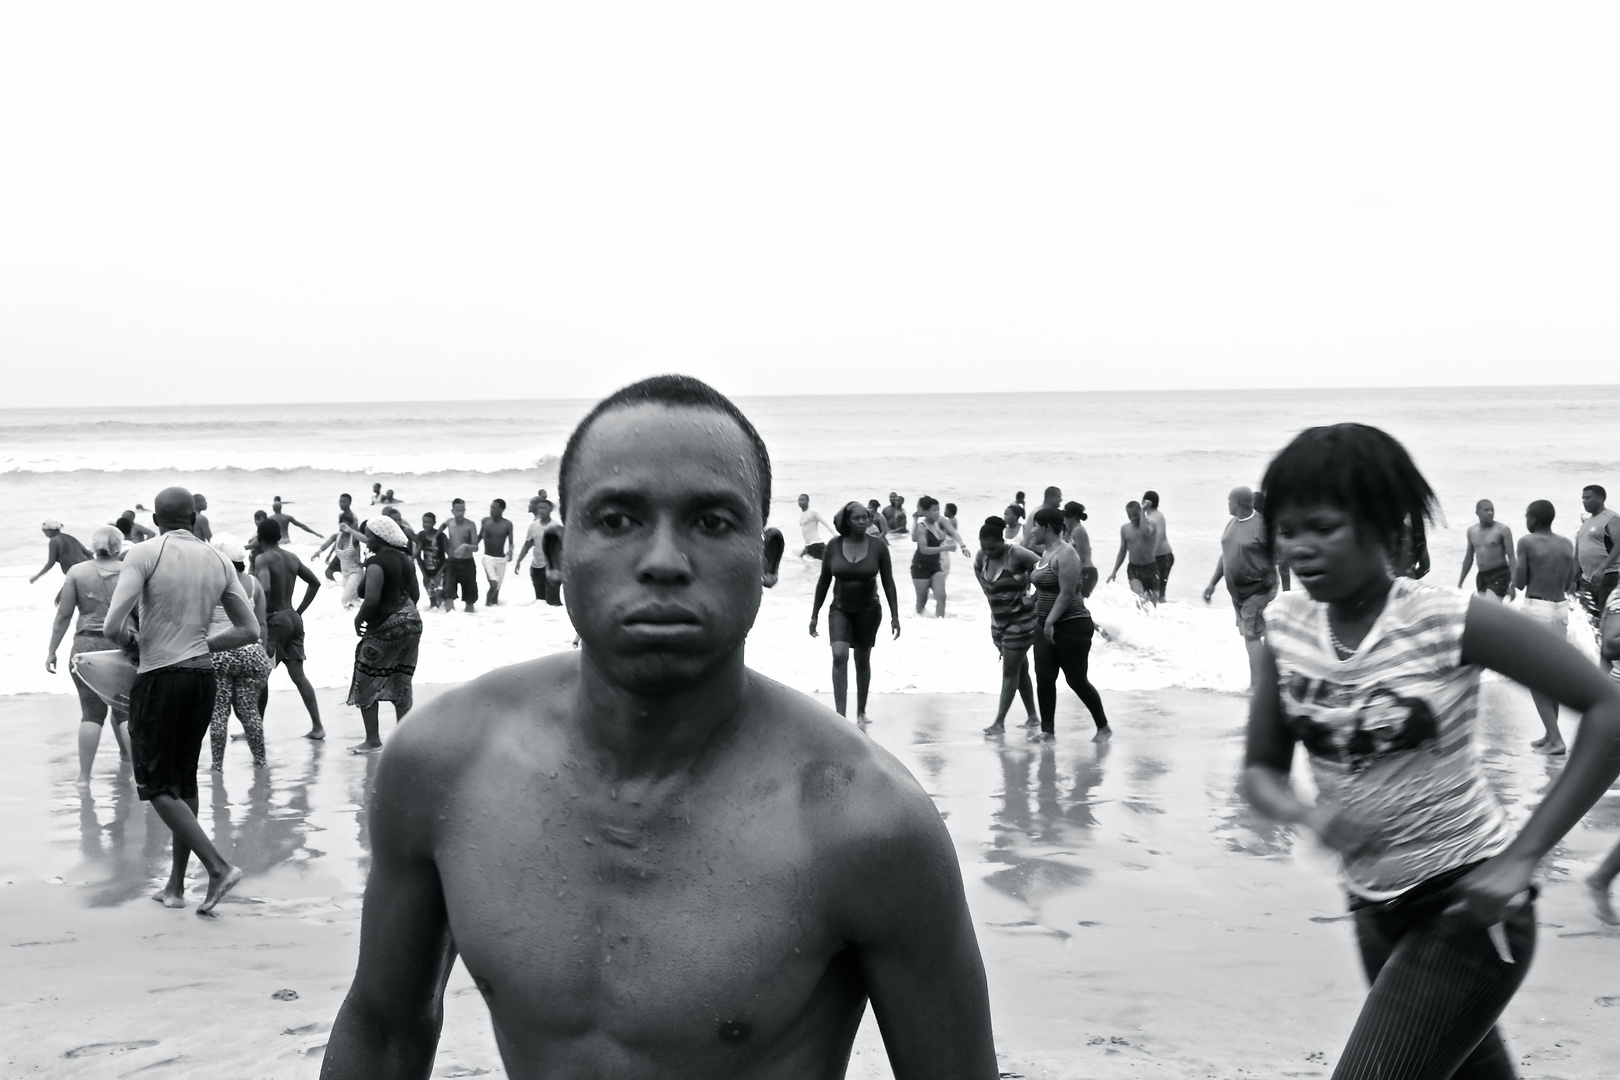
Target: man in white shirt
(540, 508)
(811, 523)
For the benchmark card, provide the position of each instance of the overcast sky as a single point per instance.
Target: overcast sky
(231, 202)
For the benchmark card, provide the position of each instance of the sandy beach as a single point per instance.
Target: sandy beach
(1136, 918)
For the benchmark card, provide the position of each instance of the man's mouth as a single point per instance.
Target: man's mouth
(662, 620)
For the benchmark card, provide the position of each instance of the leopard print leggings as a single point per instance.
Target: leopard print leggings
(239, 676)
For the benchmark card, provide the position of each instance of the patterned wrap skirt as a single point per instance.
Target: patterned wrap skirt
(385, 660)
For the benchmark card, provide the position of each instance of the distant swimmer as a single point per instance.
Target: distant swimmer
(61, 549)
(283, 520)
(200, 527)
(811, 522)
(1546, 572)
(729, 873)
(1377, 678)
(460, 569)
(1250, 570)
(376, 494)
(171, 586)
(1003, 571)
(894, 515)
(1597, 552)
(1138, 539)
(1063, 639)
(387, 497)
(1163, 556)
(88, 590)
(874, 524)
(853, 565)
(390, 630)
(133, 530)
(240, 674)
(497, 536)
(927, 571)
(1075, 535)
(1491, 543)
(279, 570)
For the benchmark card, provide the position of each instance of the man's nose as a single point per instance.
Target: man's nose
(665, 559)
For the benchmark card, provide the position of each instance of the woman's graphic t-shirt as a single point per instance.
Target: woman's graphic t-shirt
(1390, 733)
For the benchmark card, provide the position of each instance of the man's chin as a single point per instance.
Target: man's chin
(656, 672)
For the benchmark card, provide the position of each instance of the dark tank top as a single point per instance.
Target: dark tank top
(854, 583)
(398, 577)
(1047, 587)
(1010, 602)
(927, 565)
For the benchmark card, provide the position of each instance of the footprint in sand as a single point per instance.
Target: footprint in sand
(1609, 1001)
(109, 1048)
(285, 995)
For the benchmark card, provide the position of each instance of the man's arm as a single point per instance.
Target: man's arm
(1215, 578)
(131, 579)
(1468, 556)
(389, 1024)
(52, 553)
(1512, 561)
(907, 918)
(244, 623)
(311, 580)
(294, 521)
(528, 542)
(1120, 558)
(511, 541)
(1521, 568)
(66, 601)
(1612, 531)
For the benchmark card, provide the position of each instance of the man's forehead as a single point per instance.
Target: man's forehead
(662, 448)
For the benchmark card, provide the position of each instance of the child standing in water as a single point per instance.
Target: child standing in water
(1379, 677)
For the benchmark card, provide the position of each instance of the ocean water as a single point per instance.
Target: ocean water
(1511, 445)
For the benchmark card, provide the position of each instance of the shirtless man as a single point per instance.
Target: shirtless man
(1053, 498)
(894, 515)
(654, 861)
(62, 549)
(495, 533)
(283, 520)
(1163, 557)
(1546, 572)
(133, 530)
(173, 584)
(279, 570)
(1138, 539)
(200, 528)
(1491, 542)
(460, 569)
(810, 524)
(1597, 552)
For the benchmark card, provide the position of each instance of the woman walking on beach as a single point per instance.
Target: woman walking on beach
(852, 565)
(1379, 677)
(241, 675)
(87, 589)
(1075, 533)
(927, 570)
(1063, 640)
(390, 630)
(1003, 571)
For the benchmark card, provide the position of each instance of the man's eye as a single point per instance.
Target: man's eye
(714, 523)
(613, 520)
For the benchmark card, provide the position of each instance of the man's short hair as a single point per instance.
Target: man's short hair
(346, 495)
(498, 502)
(1541, 512)
(268, 532)
(458, 502)
(1054, 492)
(1133, 505)
(677, 392)
(260, 515)
(1596, 489)
(1150, 497)
(430, 516)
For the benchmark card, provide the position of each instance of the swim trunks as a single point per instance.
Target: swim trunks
(286, 634)
(463, 573)
(494, 569)
(815, 551)
(1496, 581)
(1146, 573)
(170, 710)
(1163, 563)
(1251, 614)
(858, 629)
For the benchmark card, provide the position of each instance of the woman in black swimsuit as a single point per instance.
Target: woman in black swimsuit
(927, 571)
(855, 561)
(1063, 638)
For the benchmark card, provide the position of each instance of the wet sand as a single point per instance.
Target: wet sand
(1135, 917)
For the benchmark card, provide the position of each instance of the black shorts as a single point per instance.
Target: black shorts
(169, 713)
(1164, 563)
(463, 573)
(284, 632)
(814, 551)
(858, 629)
(1146, 573)
(1496, 581)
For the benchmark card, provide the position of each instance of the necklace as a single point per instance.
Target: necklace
(1339, 648)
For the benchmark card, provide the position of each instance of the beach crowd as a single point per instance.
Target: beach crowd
(660, 548)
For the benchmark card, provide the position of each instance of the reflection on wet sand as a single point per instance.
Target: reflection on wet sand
(1136, 917)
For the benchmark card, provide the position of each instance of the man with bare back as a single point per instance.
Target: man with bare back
(654, 861)
(279, 570)
(1139, 540)
(1545, 570)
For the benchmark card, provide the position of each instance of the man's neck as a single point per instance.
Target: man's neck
(641, 735)
(1244, 517)
(162, 528)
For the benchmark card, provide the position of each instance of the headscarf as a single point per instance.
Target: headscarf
(388, 531)
(50, 523)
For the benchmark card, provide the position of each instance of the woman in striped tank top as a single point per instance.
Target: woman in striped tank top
(1003, 571)
(1378, 676)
